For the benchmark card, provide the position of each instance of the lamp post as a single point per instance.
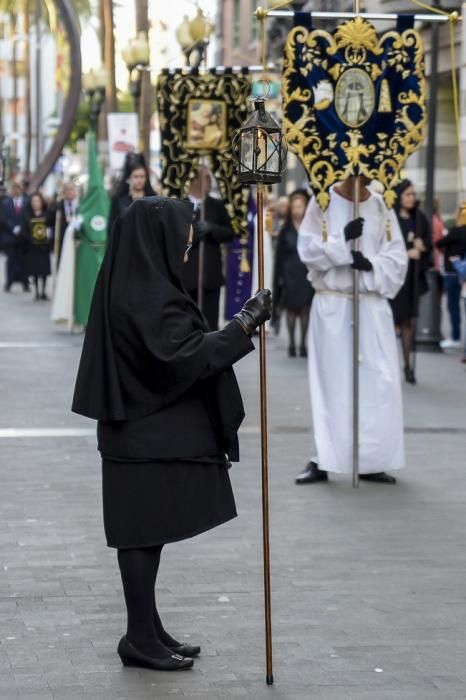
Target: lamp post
(260, 150)
(193, 35)
(136, 55)
(94, 83)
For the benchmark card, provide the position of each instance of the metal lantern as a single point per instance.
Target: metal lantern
(261, 148)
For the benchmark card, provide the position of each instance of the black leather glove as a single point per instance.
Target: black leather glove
(360, 262)
(256, 311)
(353, 230)
(201, 229)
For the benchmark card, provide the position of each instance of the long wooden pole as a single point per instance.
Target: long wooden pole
(356, 200)
(264, 447)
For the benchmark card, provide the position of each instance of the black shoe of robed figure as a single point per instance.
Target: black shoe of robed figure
(186, 650)
(379, 478)
(292, 351)
(130, 656)
(311, 475)
(303, 351)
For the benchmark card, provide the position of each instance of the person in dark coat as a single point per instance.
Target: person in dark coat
(37, 231)
(12, 212)
(292, 289)
(168, 408)
(133, 184)
(417, 236)
(453, 245)
(63, 213)
(212, 226)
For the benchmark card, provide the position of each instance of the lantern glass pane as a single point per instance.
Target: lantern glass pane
(247, 151)
(268, 152)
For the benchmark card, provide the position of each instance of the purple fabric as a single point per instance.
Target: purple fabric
(238, 287)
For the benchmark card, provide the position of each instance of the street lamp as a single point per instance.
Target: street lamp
(94, 83)
(193, 35)
(136, 55)
(260, 150)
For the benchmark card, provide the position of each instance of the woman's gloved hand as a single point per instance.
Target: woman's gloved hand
(256, 311)
(360, 262)
(353, 230)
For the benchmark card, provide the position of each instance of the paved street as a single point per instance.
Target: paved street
(369, 585)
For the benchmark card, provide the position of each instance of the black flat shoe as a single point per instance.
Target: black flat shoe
(379, 478)
(186, 650)
(292, 351)
(311, 475)
(130, 656)
(303, 351)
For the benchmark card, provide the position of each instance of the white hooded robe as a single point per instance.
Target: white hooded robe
(381, 442)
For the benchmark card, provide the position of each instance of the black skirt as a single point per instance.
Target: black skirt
(152, 503)
(38, 261)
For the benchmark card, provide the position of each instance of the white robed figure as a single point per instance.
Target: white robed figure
(63, 294)
(382, 272)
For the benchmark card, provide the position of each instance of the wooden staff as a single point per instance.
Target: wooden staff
(264, 446)
(356, 199)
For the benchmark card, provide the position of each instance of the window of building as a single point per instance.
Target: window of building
(236, 24)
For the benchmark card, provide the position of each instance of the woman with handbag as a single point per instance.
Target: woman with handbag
(168, 405)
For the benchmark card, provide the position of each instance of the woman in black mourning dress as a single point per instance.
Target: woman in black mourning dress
(168, 408)
(417, 237)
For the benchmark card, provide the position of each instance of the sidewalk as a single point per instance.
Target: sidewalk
(369, 585)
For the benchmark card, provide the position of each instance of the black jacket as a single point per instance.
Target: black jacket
(62, 212)
(220, 232)
(453, 244)
(161, 385)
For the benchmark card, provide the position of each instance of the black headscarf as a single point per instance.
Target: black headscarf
(146, 340)
(133, 161)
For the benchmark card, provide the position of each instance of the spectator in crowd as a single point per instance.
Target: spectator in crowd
(212, 226)
(292, 289)
(453, 247)
(65, 211)
(12, 212)
(416, 234)
(38, 234)
(133, 184)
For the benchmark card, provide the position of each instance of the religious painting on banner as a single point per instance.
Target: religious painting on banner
(199, 115)
(353, 101)
(207, 124)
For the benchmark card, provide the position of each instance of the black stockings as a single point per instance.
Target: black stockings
(291, 317)
(407, 337)
(139, 568)
(43, 280)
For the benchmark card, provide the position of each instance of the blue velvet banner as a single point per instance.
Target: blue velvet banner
(239, 267)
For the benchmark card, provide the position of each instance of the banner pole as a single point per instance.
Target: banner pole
(200, 273)
(356, 201)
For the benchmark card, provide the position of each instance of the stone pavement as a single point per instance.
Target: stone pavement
(369, 585)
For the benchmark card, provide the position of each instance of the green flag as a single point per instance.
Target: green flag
(93, 210)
